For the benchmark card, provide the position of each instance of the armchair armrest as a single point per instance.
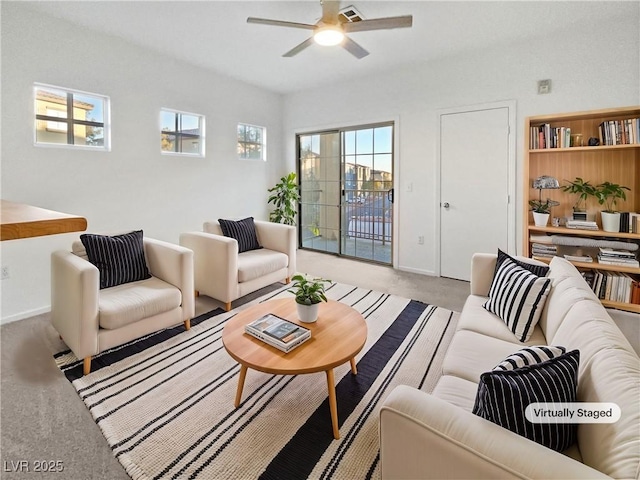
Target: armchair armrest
(422, 436)
(173, 264)
(280, 238)
(215, 264)
(75, 286)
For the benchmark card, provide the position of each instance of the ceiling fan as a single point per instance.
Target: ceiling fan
(330, 30)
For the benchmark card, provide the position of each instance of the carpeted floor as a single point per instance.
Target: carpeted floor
(165, 405)
(42, 418)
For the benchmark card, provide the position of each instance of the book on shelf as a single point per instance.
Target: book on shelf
(582, 224)
(278, 332)
(617, 253)
(619, 262)
(619, 132)
(579, 258)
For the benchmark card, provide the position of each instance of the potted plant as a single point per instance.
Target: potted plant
(285, 196)
(541, 210)
(584, 190)
(608, 195)
(309, 293)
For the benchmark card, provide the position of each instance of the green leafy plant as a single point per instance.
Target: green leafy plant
(583, 189)
(284, 196)
(542, 206)
(608, 195)
(308, 291)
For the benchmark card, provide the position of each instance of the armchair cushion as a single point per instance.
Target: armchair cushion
(119, 258)
(128, 303)
(258, 263)
(244, 231)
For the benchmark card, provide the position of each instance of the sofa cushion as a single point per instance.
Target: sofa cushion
(503, 396)
(475, 318)
(530, 356)
(244, 231)
(119, 258)
(457, 391)
(258, 263)
(535, 268)
(127, 303)
(470, 354)
(517, 296)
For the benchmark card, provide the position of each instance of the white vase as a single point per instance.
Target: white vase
(308, 313)
(610, 221)
(540, 219)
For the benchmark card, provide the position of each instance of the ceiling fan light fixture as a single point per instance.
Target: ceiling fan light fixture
(328, 36)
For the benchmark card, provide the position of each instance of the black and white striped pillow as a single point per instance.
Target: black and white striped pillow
(530, 356)
(119, 258)
(539, 270)
(244, 231)
(503, 396)
(517, 296)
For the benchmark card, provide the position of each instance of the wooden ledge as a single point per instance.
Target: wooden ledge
(25, 221)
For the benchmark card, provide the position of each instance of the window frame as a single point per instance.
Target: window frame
(70, 121)
(263, 144)
(179, 135)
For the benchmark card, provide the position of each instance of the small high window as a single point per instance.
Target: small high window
(181, 133)
(71, 118)
(252, 142)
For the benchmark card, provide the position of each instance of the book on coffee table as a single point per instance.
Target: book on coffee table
(278, 332)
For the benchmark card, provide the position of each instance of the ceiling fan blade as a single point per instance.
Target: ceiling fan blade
(330, 11)
(280, 23)
(297, 49)
(353, 48)
(378, 24)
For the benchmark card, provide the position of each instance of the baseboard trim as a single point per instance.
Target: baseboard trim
(23, 315)
(419, 271)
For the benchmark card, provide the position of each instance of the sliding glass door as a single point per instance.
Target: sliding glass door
(346, 183)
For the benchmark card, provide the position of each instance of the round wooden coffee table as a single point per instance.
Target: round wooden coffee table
(338, 335)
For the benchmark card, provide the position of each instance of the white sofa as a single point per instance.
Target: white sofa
(436, 435)
(91, 320)
(226, 275)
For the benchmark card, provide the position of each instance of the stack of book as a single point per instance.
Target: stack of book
(620, 132)
(546, 136)
(610, 256)
(582, 224)
(278, 332)
(543, 250)
(613, 286)
(579, 258)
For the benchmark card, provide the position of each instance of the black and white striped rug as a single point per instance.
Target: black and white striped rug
(165, 402)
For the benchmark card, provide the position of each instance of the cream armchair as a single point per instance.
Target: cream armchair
(226, 275)
(91, 320)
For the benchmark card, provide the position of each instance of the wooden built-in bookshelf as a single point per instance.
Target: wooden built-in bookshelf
(614, 163)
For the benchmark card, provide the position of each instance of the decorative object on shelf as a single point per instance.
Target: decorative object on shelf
(608, 195)
(542, 209)
(576, 140)
(584, 190)
(285, 196)
(309, 294)
(594, 142)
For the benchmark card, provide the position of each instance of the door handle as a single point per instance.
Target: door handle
(446, 205)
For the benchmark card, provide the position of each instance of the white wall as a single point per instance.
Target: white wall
(588, 71)
(133, 186)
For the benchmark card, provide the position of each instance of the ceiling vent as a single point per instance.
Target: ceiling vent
(349, 14)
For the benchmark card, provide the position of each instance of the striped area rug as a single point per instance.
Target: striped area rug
(165, 402)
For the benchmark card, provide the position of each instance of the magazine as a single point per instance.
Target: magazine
(278, 332)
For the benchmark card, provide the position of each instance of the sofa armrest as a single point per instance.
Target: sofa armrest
(280, 238)
(215, 260)
(173, 264)
(483, 266)
(422, 436)
(75, 287)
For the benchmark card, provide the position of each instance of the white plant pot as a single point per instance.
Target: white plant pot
(610, 221)
(540, 219)
(308, 313)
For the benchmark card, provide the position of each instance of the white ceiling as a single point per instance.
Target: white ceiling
(215, 35)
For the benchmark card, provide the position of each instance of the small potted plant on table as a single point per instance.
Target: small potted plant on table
(584, 190)
(541, 210)
(608, 194)
(309, 294)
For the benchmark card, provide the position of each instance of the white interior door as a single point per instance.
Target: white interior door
(475, 152)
